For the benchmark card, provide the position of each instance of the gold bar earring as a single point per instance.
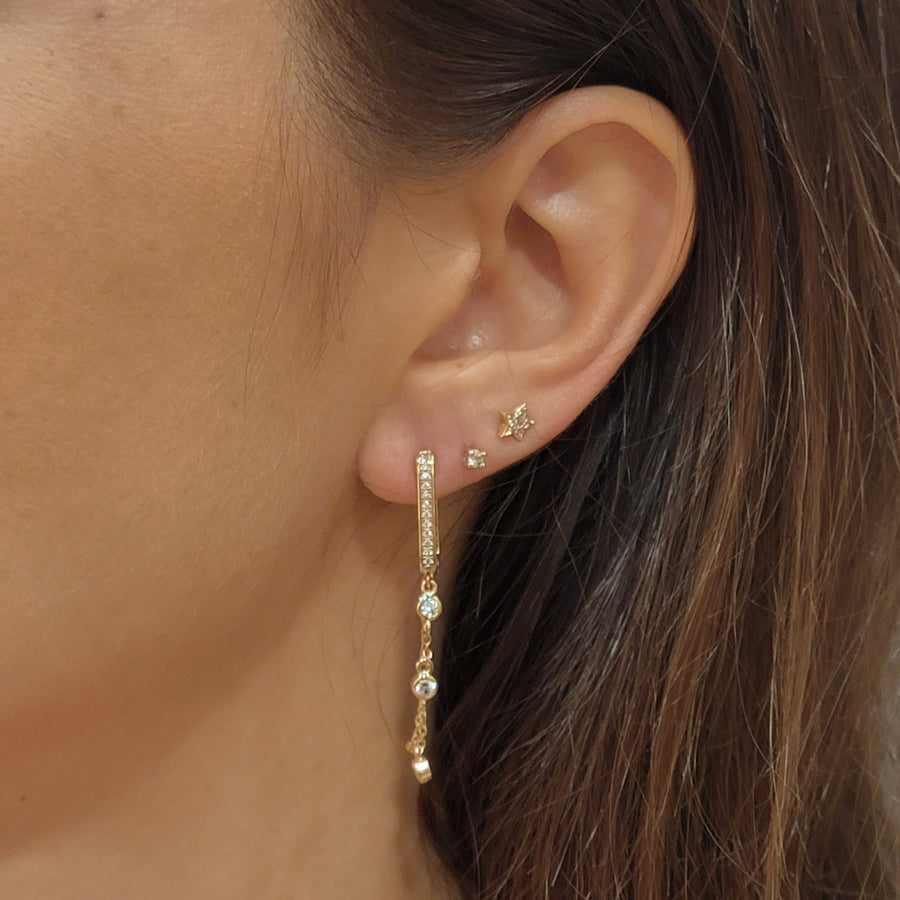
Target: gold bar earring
(424, 684)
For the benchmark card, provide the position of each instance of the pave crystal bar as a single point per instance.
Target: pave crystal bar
(429, 543)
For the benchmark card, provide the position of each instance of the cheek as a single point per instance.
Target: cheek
(150, 363)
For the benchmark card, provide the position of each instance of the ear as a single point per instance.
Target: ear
(558, 250)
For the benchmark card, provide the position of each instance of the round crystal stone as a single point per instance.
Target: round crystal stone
(424, 686)
(429, 606)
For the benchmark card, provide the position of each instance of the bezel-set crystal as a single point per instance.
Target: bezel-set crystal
(424, 686)
(429, 606)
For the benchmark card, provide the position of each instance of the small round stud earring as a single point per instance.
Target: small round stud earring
(475, 458)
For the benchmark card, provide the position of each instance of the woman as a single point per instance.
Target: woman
(627, 271)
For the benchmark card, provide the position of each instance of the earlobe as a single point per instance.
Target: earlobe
(584, 218)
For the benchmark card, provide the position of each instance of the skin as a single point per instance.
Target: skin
(208, 570)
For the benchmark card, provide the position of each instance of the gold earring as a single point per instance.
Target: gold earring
(424, 684)
(475, 458)
(516, 423)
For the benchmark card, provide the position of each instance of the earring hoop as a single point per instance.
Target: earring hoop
(475, 458)
(424, 684)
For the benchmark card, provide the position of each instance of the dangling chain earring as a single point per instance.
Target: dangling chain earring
(424, 684)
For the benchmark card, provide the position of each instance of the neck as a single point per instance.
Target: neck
(279, 771)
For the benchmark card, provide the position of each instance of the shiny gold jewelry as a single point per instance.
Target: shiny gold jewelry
(516, 423)
(475, 458)
(424, 684)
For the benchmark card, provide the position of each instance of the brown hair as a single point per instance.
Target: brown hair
(668, 637)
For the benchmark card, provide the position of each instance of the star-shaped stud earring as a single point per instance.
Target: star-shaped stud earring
(516, 423)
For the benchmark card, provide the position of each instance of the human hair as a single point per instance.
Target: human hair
(667, 654)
